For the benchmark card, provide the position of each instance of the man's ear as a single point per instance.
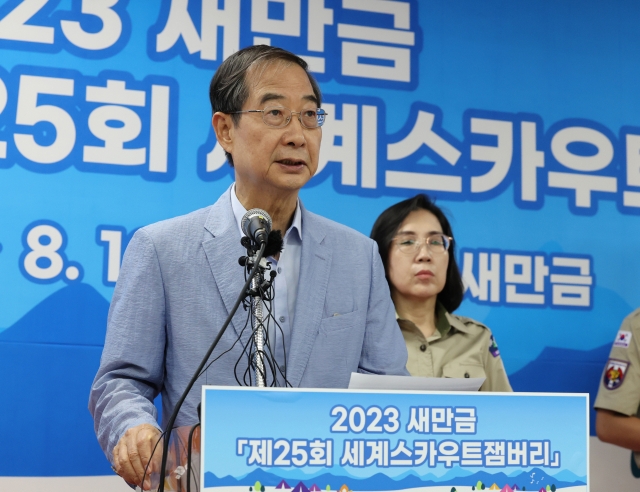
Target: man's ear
(223, 127)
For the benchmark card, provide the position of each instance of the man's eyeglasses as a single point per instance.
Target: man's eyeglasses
(279, 117)
(410, 245)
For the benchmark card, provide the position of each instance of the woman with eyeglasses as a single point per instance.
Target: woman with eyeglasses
(417, 249)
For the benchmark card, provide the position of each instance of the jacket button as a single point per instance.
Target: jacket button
(466, 374)
(423, 347)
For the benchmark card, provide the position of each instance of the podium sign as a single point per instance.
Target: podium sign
(310, 440)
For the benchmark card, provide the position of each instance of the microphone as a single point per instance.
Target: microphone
(256, 225)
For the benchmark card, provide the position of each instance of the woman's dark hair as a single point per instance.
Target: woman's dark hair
(386, 228)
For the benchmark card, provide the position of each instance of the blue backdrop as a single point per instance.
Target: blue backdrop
(520, 117)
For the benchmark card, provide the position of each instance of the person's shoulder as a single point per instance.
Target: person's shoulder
(180, 223)
(479, 332)
(335, 230)
(632, 322)
(218, 215)
(468, 323)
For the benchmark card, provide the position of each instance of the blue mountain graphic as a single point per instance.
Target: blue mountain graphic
(49, 358)
(75, 315)
(382, 482)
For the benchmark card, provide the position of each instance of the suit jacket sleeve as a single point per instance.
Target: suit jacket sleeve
(132, 365)
(383, 349)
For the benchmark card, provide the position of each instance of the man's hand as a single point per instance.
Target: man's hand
(132, 453)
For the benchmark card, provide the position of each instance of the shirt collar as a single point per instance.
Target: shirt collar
(445, 321)
(456, 323)
(239, 211)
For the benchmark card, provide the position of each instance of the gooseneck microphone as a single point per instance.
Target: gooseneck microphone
(199, 371)
(260, 242)
(256, 225)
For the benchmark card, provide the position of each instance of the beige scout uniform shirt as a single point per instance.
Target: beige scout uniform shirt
(459, 348)
(620, 383)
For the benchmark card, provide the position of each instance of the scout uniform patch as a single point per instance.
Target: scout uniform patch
(614, 373)
(623, 338)
(493, 347)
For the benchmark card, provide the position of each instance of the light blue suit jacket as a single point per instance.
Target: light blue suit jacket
(178, 282)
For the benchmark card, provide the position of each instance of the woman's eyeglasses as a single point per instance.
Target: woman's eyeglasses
(436, 243)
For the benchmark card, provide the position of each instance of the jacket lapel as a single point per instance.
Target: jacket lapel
(222, 247)
(315, 265)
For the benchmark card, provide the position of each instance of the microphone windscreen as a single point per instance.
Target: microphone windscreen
(274, 244)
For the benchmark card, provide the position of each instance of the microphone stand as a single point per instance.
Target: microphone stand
(174, 415)
(258, 285)
(258, 334)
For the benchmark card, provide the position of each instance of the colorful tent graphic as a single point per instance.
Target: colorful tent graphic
(300, 488)
(506, 488)
(314, 488)
(283, 486)
(494, 487)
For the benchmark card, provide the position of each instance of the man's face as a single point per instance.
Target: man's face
(275, 159)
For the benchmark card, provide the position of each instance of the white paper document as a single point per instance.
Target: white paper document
(404, 383)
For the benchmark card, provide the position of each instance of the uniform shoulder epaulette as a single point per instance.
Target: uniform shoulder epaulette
(634, 316)
(472, 322)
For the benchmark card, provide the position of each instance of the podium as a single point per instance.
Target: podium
(297, 440)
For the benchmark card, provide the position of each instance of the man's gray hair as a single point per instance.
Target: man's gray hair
(229, 89)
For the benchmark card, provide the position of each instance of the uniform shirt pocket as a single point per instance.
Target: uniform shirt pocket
(463, 370)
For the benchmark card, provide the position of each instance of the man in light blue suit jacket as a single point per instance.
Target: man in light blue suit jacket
(180, 277)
